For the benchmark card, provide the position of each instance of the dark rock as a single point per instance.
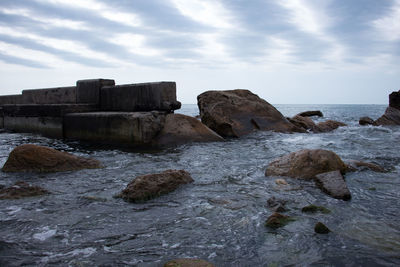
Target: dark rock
(333, 184)
(180, 129)
(314, 209)
(354, 165)
(277, 205)
(366, 121)
(235, 113)
(33, 158)
(277, 220)
(320, 228)
(328, 126)
(303, 122)
(188, 263)
(305, 164)
(21, 190)
(149, 186)
(311, 113)
(391, 117)
(394, 100)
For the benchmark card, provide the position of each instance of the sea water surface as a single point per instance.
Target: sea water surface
(221, 216)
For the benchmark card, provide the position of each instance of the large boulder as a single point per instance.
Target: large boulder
(392, 113)
(21, 190)
(33, 158)
(328, 126)
(366, 121)
(306, 164)
(311, 113)
(149, 186)
(304, 122)
(394, 100)
(234, 113)
(333, 184)
(180, 129)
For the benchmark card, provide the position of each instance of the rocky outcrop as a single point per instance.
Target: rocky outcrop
(366, 121)
(354, 165)
(149, 186)
(304, 123)
(21, 190)
(188, 263)
(392, 113)
(235, 113)
(311, 113)
(180, 129)
(305, 164)
(333, 184)
(33, 158)
(328, 126)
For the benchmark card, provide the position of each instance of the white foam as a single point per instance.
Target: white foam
(13, 210)
(45, 234)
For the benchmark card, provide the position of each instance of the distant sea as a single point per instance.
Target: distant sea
(221, 216)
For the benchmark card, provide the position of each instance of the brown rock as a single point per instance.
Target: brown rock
(235, 113)
(277, 220)
(354, 165)
(21, 190)
(149, 186)
(33, 158)
(303, 122)
(329, 125)
(311, 113)
(188, 263)
(333, 184)
(180, 129)
(394, 100)
(391, 117)
(305, 164)
(366, 121)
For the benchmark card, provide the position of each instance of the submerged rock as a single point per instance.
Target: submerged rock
(149, 186)
(333, 184)
(33, 158)
(281, 182)
(328, 126)
(366, 121)
(354, 165)
(180, 129)
(277, 205)
(305, 164)
(21, 190)
(311, 113)
(315, 209)
(188, 263)
(234, 113)
(320, 228)
(277, 220)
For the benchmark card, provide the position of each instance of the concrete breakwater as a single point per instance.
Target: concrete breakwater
(95, 110)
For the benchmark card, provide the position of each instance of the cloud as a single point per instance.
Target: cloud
(388, 26)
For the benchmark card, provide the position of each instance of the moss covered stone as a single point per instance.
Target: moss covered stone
(277, 220)
(315, 209)
(320, 228)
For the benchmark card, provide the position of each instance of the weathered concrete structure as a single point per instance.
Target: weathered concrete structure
(99, 111)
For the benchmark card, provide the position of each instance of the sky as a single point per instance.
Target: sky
(287, 52)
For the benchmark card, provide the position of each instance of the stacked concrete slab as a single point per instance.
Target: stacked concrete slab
(93, 110)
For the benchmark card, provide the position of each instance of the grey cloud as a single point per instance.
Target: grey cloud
(21, 61)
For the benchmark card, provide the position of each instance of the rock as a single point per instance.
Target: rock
(180, 129)
(366, 121)
(314, 209)
(277, 220)
(281, 182)
(149, 186)
(320, 228)
(391, 117)
(311, 113)
(333, 184)
(277, 205)
(21, 190)
(33, 158)
(328, 126)
(304, 123)
(394, 100)
(234, 113)
(354, 165)
(188, 263)
(305, 164)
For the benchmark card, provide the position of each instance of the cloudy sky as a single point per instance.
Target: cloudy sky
(292, 51)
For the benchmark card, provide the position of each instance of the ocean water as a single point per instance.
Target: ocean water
(221, 216)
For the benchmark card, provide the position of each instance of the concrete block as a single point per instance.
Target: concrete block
(10, 99)
(121, 128)
(47, 126)
(60, 95)
(140, 97)
(88, 91)
(49, 110)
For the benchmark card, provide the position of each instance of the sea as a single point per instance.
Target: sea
(221, 216)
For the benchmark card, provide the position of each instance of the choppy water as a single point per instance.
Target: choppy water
(220, 217)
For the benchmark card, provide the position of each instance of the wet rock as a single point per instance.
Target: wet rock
(305, 164)
(234, 113)
(281, 182)
(33, 158)
(276, 204)
(304, 122)
(21, 190)
(333, 184)
(328, 126)
(188, 263)
(366, 121)
(391, 117)
(149, 186)
(315, 209)
(354, 165)
(311, 113)
(277, 220)
(394, 100)
(180, 129)
(320, 228)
